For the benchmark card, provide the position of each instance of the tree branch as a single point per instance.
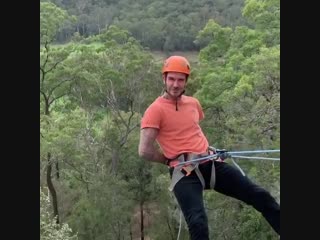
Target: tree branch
(58, 85)
(55, 98)
(54, 66)
(78, 171)
(44, 95)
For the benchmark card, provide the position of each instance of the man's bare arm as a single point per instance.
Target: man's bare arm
(147, 150)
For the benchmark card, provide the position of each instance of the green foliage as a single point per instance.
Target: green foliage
(245, 42)
(49, 229)
(265, 15)
(52, 19)
(241, 87)
(112, 65)
(240, 92)
(113, 33)
(218, 38)
(262, 13)
(85, 133)
(253, 226)
(105, 213)
(54, 84)
(60, 130)
(159, 25)
(167, 219)
(95, 90)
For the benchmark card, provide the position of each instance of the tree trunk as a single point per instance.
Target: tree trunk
(115, 160)
(131, 232)
(57, 170)
(141, 221)
(51, 189)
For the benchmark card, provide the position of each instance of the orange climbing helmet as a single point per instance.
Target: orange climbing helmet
(176, 64)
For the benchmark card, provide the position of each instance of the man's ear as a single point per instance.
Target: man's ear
(164, 78)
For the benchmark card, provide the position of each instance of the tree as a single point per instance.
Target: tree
(265, 16)
(52, 19)
(101, 18)
(240, 92)
(52, 86)
(49, 229)
(117, 75)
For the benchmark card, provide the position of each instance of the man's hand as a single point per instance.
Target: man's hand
(147, 149)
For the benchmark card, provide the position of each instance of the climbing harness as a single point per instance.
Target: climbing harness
(223, 154)
(192, 161)
(189, 162)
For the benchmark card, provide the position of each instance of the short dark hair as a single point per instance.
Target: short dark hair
(166, 73)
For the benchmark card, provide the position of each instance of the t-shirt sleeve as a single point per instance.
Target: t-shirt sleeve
(201, 113)
(151, 117)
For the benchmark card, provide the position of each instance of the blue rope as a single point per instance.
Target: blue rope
(262, 158)
(255, 151)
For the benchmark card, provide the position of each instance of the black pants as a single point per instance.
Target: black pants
(230, 182)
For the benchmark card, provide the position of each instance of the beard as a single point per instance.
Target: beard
(174, 92)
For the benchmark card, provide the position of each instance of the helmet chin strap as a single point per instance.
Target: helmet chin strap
(176, 98)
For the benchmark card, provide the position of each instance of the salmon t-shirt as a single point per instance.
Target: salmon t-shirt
(179, 130)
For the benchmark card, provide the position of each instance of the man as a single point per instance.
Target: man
(172, 121)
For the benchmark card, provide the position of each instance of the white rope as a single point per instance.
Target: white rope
(180, 225)
(214, 156)
(262, 158)
(254, 151)
(238, 167)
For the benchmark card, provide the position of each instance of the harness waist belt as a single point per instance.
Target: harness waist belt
(185, 170)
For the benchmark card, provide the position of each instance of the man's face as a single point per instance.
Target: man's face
(175, 83)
